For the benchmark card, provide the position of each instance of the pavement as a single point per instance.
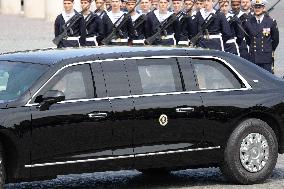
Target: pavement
(19, 33)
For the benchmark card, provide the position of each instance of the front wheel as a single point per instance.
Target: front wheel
(251, 152)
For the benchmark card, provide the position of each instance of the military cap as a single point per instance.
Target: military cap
(259, 2)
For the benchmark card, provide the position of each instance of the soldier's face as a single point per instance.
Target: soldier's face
(188, 4)
(163, 5)
(85, 5)
(155, 4)
(145, 5)
(100, 4)
(236, 6)
(208, 4)
(130, 5)
(258, 10)
(177, 5)
(224, 7)
(115, 4)
(199, 5)
(246, 5)
(68, 5)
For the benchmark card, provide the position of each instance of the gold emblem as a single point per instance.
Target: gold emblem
(163, 120)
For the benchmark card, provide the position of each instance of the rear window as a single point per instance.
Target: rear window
(213, 75)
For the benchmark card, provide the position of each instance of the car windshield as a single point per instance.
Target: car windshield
(16, 78)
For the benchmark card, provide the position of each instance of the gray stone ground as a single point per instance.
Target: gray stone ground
(19, 33)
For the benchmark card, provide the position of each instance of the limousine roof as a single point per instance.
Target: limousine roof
(52, 56)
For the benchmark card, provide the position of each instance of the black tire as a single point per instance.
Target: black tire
(2, 169)
(232, 167)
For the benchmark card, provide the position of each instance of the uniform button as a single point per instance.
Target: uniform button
(254, 46)
(254, 50)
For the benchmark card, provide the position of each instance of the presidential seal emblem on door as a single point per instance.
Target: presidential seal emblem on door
(163, 120)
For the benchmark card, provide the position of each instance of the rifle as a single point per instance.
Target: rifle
(166, 23)
(140, 20)
(68, 25)
(272, 7)
(207, 22)
(118, 25)
(234, 19)
(90, 20)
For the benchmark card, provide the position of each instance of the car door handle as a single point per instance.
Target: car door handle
(97, 115)
(183, 110)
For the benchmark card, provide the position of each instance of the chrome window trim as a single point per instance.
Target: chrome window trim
(120, 157)
(247, 85)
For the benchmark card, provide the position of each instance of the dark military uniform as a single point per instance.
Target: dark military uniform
(170, 36)
(217, 32)
(94, 29)
(264, 38)
(244, 42)
(237, 33)
(188, 28)
(125, 35)
(76, 35)
(139, 30)
(105, 23)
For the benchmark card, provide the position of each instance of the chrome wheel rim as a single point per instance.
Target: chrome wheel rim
(254, 152)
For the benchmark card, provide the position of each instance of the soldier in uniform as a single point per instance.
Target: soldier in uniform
(76, 35)
(236, 11)
(93, 23)
(126, 34)
(218, 32)
(135, 17)
(170, 35)
(187, 23)
(264, 36)
(235, 24)
(102, 13)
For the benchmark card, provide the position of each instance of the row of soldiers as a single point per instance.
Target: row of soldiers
(244, 29)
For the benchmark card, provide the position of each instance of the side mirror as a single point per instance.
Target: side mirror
(49, 98)
(53, 96)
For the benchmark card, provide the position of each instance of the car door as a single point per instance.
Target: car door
(225, 94)
(168, 115)
(71, 136)
(122, 115)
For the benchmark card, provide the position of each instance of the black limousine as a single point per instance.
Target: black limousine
(147, 108)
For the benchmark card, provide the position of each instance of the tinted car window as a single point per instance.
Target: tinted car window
(75, 82)
(116, 79)
(155, 76)
(214, 75)
(16, 78)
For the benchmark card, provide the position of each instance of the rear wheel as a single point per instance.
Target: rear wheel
(250, 153)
